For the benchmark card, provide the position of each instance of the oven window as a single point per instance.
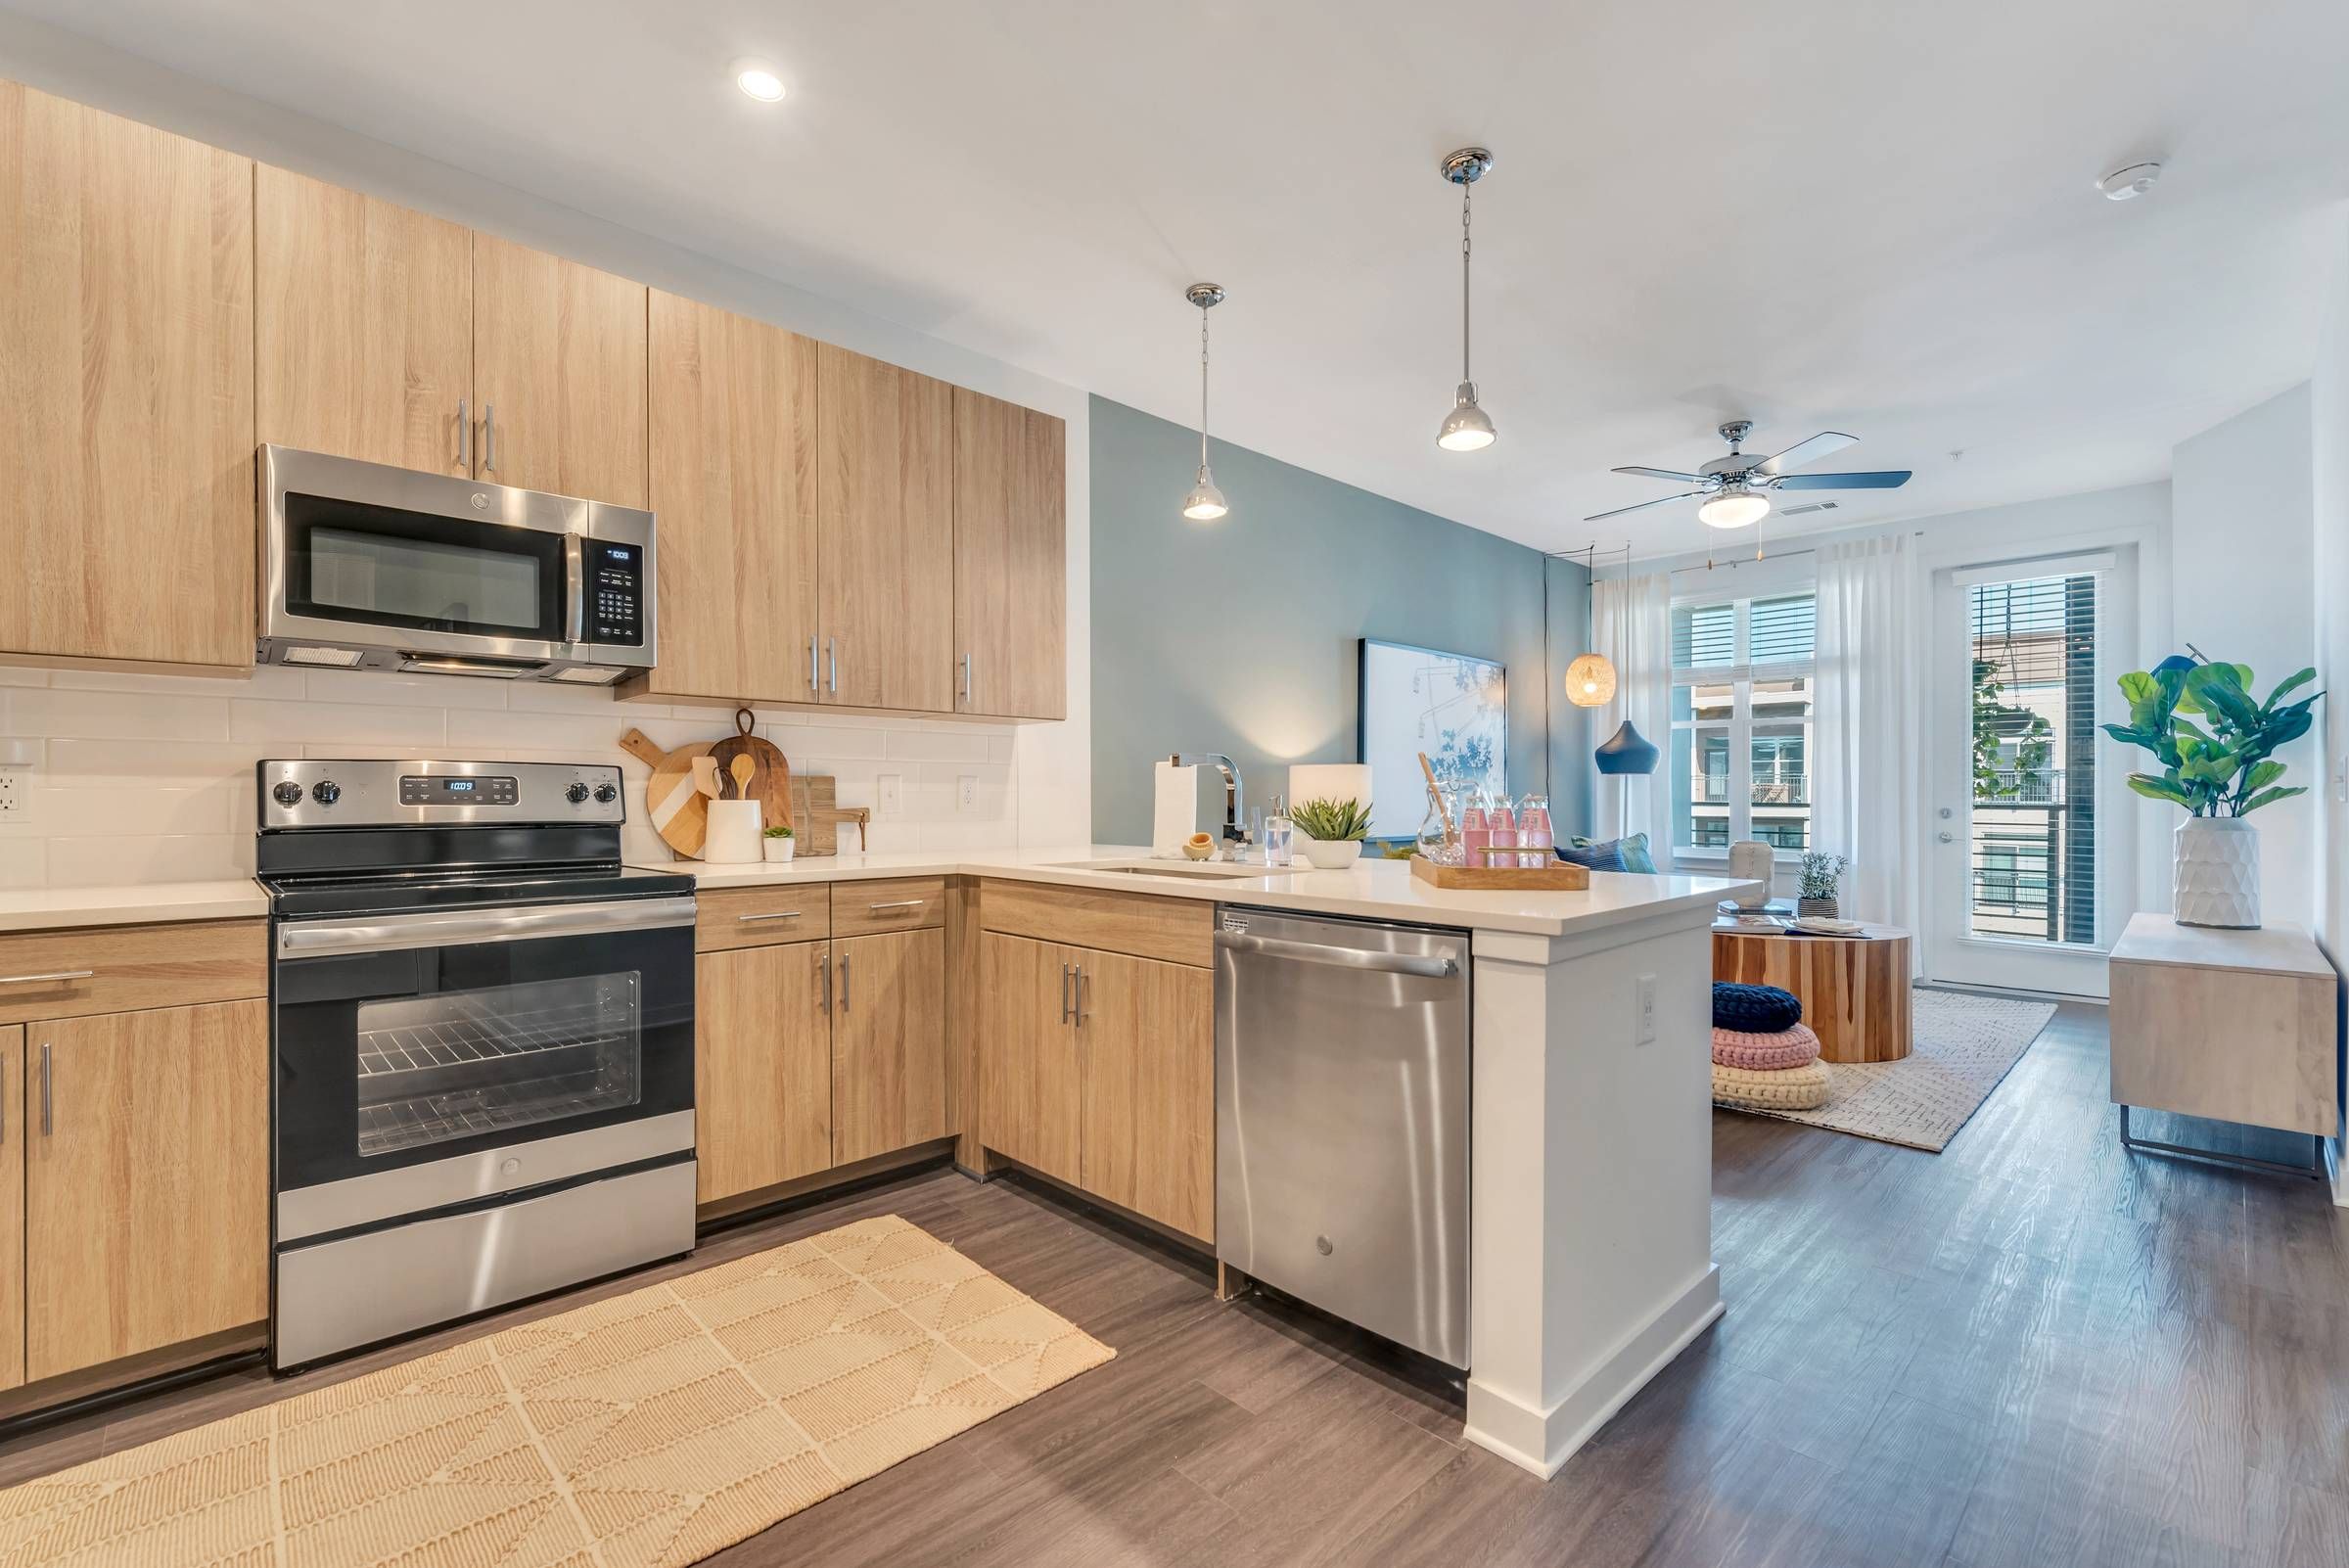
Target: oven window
(458, 1063)
(423, 581)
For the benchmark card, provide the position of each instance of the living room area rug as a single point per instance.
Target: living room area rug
(654, 1428)
(1961, 1048)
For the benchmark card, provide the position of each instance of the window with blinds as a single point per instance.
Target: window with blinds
(1741, 722)
(2033, 844)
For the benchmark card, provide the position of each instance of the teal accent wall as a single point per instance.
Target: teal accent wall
(1239, 636)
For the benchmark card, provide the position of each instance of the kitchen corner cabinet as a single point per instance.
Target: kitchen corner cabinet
(1011, 560)
(559, 373)
(1098, 1069)
(885, 537)
(888, 1044)
(763, 1067)
(733, 482)
(146, 1181)
(127, 422)
(363, 326)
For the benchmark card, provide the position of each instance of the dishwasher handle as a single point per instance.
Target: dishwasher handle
(1313, 952)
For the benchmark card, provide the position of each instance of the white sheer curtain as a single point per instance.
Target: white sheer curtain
(1867, 739)
(1630, 622)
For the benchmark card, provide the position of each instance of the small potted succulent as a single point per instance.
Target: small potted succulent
(778, 842)
(1331, 832)
(1822, 877)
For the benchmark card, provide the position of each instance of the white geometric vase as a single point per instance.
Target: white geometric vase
(2217, 879)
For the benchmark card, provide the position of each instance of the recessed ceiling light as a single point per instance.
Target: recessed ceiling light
(2123, 184)
(758, 80)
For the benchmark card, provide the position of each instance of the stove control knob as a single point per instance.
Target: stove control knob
(326, 792)
(287, 795)
(605, 793)
(575, 794)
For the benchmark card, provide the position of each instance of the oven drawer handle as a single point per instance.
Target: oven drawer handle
(46, 980)
(394, 932)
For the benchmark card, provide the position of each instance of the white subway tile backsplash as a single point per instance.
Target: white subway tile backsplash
(129, 716)
(944, 746)
(299, 723)
(23, 860)
(148, 858)
(131, 810)
(379, 689)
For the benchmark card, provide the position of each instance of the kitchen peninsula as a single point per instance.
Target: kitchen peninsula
(1591, 1143)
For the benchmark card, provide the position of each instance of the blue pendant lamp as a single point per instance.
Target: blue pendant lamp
(1627, 751)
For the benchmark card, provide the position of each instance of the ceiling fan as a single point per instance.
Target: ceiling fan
(1735, 488)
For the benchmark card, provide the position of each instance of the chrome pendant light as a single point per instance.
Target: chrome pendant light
(1205, 503)
(1467, 428)
(1590, 678)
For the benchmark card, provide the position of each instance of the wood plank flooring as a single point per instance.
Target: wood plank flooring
(2032, 1349)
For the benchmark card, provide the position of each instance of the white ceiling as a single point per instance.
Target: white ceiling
(1853, 215)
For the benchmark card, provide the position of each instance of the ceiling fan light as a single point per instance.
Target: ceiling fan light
(1591, 682)
(1205, 503)
(1734, 508)
(1467, 428)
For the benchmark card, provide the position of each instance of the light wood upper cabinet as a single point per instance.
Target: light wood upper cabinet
(127, 428)
(885, 462)
(1029, 1098)
(363, 326)
(733, 482)
(559, 370)
(1011, 560)
(762, 1067)
(12, 1207)
(888, 1044)
(1146, 1042)
(146, 1181)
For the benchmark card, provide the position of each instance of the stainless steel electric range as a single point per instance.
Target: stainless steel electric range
(482, 1026)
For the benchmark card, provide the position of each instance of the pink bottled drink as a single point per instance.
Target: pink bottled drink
(1476, 831)
(1503, 822)
(1534, 835)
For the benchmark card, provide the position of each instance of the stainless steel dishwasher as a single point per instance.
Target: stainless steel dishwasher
(1342, 1119)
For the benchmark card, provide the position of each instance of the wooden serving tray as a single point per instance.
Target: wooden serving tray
(1559, 877)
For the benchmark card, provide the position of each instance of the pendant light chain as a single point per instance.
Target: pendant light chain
(1467, 188)
(1203, 390)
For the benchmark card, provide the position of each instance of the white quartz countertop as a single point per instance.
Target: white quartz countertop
(136, 905)
(1378, 890)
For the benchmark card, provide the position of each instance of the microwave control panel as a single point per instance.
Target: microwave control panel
(614, 593)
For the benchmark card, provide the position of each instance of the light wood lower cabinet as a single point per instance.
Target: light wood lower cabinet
(1098, 1069)
(888, 1044)
(12, 1207)
(146, 1181)
(762, 1067)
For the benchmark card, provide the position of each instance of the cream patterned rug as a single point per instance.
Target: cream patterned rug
(1962, 1046)
(652, 1428)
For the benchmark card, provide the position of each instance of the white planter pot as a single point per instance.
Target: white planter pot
(778, 851)
(2216, 878)
(1330, 854)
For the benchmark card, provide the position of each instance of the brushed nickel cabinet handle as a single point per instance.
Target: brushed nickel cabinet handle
(48, 1123)
(897, 903)
(843, 982)
(832, 660)
(1081, 1013)
(1064, 994)
(782, 914)
(812, 683)
(489, 438)
(55, 976)
(966, 677)
(823, 974)
(464, 435)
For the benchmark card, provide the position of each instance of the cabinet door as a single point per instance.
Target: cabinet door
(12, 1206)
(1146, 1039)
(126, 427)
(1028, 1089)
(733, 455)
(558, 372)
(762, 1067)
(146, 1181)
(885, 444)
(363, 325)
(1011, 560)
(888, 1044)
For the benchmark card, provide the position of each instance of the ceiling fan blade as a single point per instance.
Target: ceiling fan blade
(1662, 474)
(1890, 479)
(1619, 511)
(1826, 441)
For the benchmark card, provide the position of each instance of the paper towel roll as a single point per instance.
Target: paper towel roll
(1176, 816)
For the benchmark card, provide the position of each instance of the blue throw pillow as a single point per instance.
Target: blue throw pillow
(1617, 854)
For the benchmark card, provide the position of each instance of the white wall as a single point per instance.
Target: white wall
(1045, 781)
(2328, 419)
(2243, 547)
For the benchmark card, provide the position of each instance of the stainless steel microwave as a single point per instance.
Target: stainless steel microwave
(370, 567)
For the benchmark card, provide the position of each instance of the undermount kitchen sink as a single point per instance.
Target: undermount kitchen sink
(1174, 868)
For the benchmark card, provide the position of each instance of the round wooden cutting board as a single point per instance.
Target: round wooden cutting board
(679, 812)
(770, 771)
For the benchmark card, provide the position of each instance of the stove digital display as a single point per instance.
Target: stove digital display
(427, 789)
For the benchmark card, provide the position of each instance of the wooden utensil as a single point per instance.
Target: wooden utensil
(815, 822)
(741, 770)
(679, 812)
(704, 775)
(769, 782)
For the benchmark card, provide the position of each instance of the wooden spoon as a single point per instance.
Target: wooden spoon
(704, 775)
(742, 769)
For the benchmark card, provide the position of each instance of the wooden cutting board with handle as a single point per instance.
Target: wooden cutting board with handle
(679, 812)
(769, 780)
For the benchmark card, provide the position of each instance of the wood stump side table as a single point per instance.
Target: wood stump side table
(1853, 989)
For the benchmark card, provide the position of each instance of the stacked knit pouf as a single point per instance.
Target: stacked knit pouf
(1763, 1057)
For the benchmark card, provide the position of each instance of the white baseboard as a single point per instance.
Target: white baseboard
(1542, 1441)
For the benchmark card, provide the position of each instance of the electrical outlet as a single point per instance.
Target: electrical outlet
(966, 793)
(889, 788)
(1647, 1009)
(11, 798)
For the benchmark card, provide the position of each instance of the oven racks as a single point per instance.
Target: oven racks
(459, 1041)
(496, 1108)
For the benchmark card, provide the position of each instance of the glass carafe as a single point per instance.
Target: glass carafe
(1439, 842)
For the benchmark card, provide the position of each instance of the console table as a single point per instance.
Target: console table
(2235, 1026)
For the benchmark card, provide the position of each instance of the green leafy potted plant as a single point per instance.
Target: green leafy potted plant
(1332, 832)
(778, 844)
(2215, 743)
(1822, 877)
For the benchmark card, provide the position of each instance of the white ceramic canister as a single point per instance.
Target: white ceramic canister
(733, 835)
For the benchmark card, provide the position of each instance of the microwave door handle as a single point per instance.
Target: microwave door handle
(575, 588)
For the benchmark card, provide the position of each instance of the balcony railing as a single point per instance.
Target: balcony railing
(1785, 787)
(2032, 786)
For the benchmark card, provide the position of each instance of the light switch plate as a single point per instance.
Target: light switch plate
(1647, 1009)
(890, 790)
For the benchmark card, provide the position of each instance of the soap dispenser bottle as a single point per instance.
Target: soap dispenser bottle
(1279, 833)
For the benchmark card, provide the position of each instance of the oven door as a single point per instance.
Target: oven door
(438, 1059)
